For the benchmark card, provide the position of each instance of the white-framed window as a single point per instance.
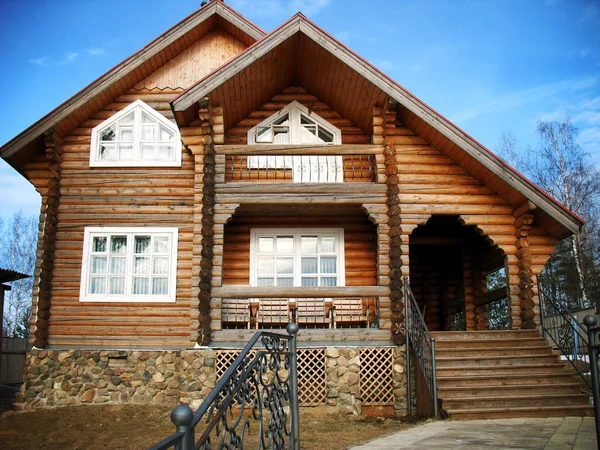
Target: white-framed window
(136, 136)
(296, 124)
(129, 264)
(307, 257)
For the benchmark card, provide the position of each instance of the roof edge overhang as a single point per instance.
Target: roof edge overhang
(299, 23)
(127, 65)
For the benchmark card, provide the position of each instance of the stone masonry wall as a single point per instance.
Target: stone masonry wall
(74, 377)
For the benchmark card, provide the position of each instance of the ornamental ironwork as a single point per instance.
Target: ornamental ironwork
(254, 404)
(565, 332)
(422, 344)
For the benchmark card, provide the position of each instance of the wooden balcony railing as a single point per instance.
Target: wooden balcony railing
(324, 168)
(310, 310)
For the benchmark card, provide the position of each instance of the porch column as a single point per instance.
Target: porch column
(384, 129)
(523, 221)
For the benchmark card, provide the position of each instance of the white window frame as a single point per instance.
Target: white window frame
(136, 161)
(255, 233)
(295, 110)
(130, 232)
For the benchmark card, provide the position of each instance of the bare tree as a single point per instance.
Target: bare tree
(507, 149)
(561, 167)
(18, 242)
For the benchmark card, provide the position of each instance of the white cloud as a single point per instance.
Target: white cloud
(42, 62)
(96, 51)
(67, 59)
(517, 99)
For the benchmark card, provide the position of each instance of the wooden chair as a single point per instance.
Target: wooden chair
(311, 313)
(348, 312)
(235, 313)
(273, 313)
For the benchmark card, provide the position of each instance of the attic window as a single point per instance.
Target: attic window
(294, 124)
(137, 136)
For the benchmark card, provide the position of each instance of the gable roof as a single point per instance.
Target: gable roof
(133, 69)
(287, 48)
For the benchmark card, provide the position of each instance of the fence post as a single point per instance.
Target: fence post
(182, 416)
(292, 329)
(407, 335)
(434, 380)
(592, 330)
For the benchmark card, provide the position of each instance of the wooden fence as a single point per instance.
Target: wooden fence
(13, 359)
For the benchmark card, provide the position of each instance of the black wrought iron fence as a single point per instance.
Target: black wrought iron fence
(423, 346)
(254, 404)
(593, 331)
(565, 332)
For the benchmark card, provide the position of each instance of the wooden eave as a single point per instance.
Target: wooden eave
(298, 52)
(122, 77)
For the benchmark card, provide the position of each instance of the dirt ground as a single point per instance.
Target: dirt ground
(138, 427)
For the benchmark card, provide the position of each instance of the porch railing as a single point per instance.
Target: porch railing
(260, 390)
(423, 346)
(314, 312)
(567, 334)
(593, 331)
(301, 168)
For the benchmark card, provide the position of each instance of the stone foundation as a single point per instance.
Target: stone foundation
(73, 377)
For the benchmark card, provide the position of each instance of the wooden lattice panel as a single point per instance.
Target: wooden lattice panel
(376, 376)
(312, 376)
(225, 359)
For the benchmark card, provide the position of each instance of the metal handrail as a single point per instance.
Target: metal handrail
(567, 334)
(423, 344)
(262, 381)
(591, 322)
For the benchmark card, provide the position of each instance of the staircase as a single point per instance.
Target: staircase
(504, 374)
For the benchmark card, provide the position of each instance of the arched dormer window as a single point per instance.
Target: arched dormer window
(136, 136)
(294, 124)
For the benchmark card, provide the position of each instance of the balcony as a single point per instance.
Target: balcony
(325, 314)
(298, 164)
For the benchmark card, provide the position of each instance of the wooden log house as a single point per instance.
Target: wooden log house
(223, 180)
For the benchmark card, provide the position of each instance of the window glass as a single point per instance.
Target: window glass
(137, 134)
(129, 265)
(292, 125)
(297, 259)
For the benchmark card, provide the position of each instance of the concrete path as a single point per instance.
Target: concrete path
(550, 434)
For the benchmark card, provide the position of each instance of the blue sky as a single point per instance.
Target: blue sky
(488, 65)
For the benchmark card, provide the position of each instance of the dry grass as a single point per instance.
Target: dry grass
(138, 427)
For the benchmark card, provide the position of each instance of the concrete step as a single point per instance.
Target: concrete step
(495, 379)
(488, 343)
(528, 411)
(491, 352)
(505, 370)
(487, 334)
(494, 390)
(514, 360)
(515, 401)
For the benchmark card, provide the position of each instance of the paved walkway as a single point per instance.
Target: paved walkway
(548, 434)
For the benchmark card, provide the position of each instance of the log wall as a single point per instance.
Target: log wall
(132, 196)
